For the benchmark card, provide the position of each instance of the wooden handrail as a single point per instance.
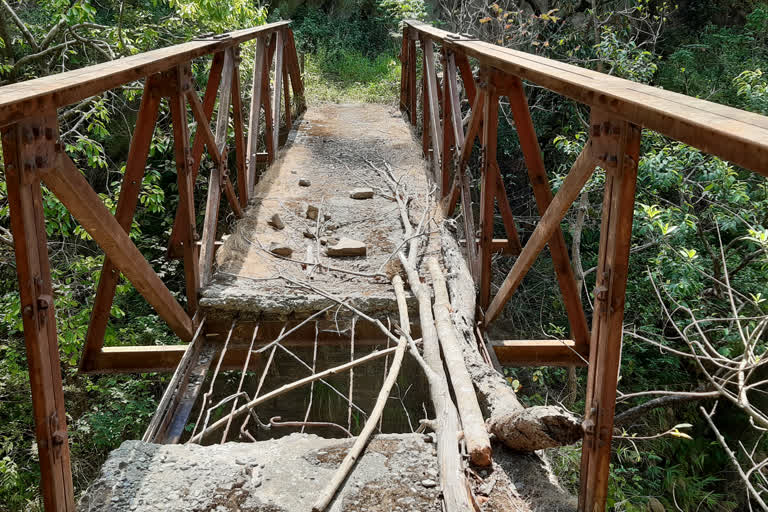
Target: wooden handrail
(619, 109)
(33, 153)
(735, 135)
(29, 98)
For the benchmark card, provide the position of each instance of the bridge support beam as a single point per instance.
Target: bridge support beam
(23, 147)
(618, 145)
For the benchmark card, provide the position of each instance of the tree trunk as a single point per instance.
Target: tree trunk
(520, 429)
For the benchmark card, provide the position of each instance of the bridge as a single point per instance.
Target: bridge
(339, 208)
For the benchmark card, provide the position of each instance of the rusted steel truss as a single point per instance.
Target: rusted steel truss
(34, 155)
(619, 109)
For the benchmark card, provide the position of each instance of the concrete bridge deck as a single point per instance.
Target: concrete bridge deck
(329, 157)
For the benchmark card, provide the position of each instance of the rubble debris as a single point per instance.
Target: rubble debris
(276, 222)
(361, 193)
(347, 247)
(308, 233)
(280, 249)
(304, 182)
(312, 211)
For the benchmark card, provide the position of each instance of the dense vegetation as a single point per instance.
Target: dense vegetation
(689, 207)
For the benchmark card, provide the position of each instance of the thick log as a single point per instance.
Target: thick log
(475, 434)
(452, 480)
(552, 427)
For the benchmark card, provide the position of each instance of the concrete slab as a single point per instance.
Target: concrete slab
(331, 148)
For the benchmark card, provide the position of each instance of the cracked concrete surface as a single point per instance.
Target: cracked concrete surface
(330, 147)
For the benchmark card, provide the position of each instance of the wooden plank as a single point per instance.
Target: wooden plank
(487, 192)
(277, 92)
(237, 121)
(605, 344)
(469, 224)
(255, 111)
(31, 97)
(222, 128)
(38, 315)
(498, 245)
(543, 193)
(447, 134)
(455, 104)
(434, 103)
(732, 134)
(425, 116)
(157, 358)
(204, 133)
(126, 207)
(287, 99)
(69, 185)
(412, 81)
(186, 208)
(292, 62)
(265, 100)
(207, 249)
(540, 353)
(550, 221)
(209, 102)
(188, 388)
(466, 76)
(404, 70)
(475, 121)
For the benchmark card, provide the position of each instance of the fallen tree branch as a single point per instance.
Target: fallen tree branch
(288, 387)
(545, 426)
(452, 480)
(381, 401)
(475, 433)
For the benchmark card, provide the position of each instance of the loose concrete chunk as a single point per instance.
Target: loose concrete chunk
(312, 211)
(347, 247)
(308, 233)
(304, 182)
(280, 249)
(361, 193)
(276, 222)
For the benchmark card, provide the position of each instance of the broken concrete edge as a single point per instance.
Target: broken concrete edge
(282, 307)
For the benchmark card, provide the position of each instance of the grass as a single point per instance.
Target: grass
(345, 76)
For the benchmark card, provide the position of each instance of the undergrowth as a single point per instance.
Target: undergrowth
(350, 77)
